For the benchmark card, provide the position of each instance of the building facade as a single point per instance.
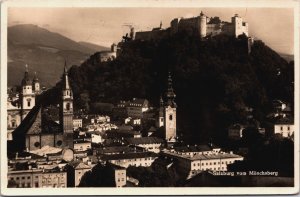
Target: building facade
(21, 102)
(201, 25)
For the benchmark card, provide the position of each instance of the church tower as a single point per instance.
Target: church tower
(27, 96)
(66, 111)
(170, 113)
(161, 114)
(36, 84)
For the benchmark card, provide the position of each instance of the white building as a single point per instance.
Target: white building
(285, 127)
(152, 144)
(77, 123)
(82, 146)
(125, 160)
(198, 162)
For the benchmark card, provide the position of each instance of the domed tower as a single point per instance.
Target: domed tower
(170, 113)
(27, 96)
(203, 22)
(66, 110)
(36, 84)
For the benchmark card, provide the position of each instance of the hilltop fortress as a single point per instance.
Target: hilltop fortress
(202, 25)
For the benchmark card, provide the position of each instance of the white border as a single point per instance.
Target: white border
(144, 3)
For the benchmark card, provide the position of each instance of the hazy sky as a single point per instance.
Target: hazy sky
(104, 26)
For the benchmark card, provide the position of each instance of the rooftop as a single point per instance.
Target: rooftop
(144, 140)
(221, 155)
(129, 156)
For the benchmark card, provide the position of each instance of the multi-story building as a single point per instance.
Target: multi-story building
(151, 144)
(38, 178)
(125, 160)
(190, 165)
(82, 145)
(284, 127)
(75, 171)
(77, 123)
(133, 108)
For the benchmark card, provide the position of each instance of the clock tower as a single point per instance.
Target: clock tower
(66, 111)
(170, 113)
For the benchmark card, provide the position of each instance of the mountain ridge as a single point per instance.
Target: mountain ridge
(44, 51)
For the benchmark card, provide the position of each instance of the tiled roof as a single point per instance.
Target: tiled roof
(285, 121)
(144, 140)
(82, 166)
(198, 148)
(128, 156)
(115, 149)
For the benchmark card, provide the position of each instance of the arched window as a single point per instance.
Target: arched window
(28, 102)
(171, 117)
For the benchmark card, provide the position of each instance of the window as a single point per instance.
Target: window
(288, 128)
(28, 177)
(59, 143)
(215, 163)
(281, 128)
(171, 117)
(36, 184)
(36, 144)
(23, 177)
(13, 123)
(28, 103)
(68, 106)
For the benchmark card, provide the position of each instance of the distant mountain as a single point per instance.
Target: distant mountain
(44, 52)
(287, 57)
(94, 46)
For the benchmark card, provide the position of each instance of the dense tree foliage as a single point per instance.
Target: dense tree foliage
(215, 80)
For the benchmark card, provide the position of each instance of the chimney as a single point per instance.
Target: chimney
(17, 154)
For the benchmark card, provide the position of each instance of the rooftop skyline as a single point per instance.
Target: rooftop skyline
(104, 26)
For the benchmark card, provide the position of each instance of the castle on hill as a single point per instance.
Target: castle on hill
(201, 25)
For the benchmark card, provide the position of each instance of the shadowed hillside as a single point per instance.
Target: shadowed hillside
(215, 80)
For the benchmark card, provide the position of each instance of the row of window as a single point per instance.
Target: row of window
(214, 163)
(222, 168)
(288, 128)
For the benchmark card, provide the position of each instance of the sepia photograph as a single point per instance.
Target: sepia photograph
(150, 97)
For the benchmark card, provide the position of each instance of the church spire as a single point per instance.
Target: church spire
(66, 85)
(35, 78)
(170, 92)
(26, 80)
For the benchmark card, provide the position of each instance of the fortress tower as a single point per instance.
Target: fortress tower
(66, 110)
(27, 96)
(203, 26)
(170, 113)
(239, 27)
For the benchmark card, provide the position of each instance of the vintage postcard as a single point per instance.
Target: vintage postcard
(149, 97)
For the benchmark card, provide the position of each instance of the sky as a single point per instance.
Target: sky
(104, 26)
